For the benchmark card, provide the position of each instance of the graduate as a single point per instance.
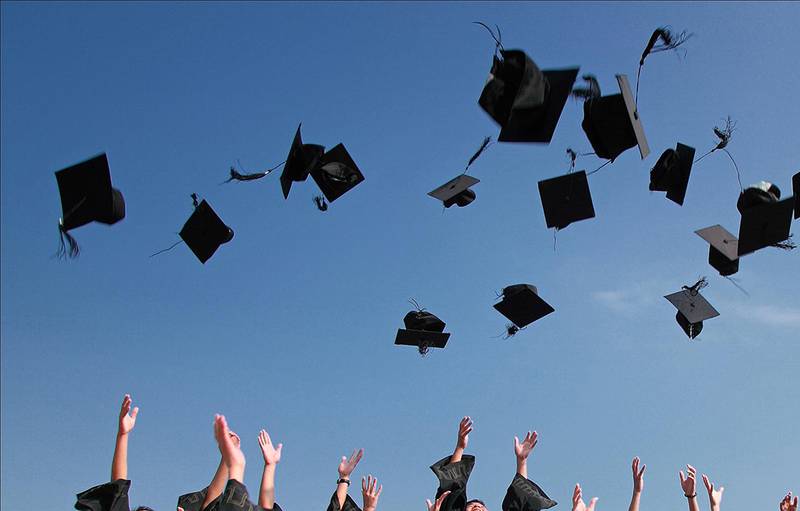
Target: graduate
(113, 496)
(370, 490)
(453, 473)
(208, 498)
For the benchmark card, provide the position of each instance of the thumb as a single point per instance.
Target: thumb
(134, 412)
(592, 503)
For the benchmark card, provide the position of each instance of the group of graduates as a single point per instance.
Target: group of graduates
(227, 491)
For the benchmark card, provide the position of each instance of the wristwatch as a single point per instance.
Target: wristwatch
(343, 480)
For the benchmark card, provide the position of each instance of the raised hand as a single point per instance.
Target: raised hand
(638, 476)
(127, 417)
(271, 454)
(688, 483)
(436, 506)
(237, 442)
(714, 495)
(524, 448)
(464, 429)
(787, 504)
(231, 452)
(346, 466)
(577, 500)
(369, 493)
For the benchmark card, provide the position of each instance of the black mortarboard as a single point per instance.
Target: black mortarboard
(204, 232)
(522, 305)
(336, 173)
(566, 199)
(87, 196)
(671, 172)
(612, 123)
(723, 250)
(422, 329)
(796, 192)
(456, 191)
(693, 309)
(301, 160)
(525, 101)
(766, 219)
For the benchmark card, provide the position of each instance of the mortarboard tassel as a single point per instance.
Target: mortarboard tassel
(696, 287)
(195, 203)
(484, 145)
(497, 39)
(591, 91)
(63, 252)
(319, 200)
(237, 176)
(669, 40)
(724, 135)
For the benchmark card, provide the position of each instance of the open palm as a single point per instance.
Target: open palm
(272, 455)
(127, 417)
(524, 448)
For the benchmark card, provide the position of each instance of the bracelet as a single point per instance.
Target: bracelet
(690, 496)
(343, 480)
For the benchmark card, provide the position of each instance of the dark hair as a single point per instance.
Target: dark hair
(475, 500)
(144, 508)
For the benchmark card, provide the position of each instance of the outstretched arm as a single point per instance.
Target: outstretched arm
(577, 500)
(346, 467)
(464, 429)
(272, 455)
(231, 452)
(689, 487)
(370, 493)
(119, 465)
(714, 495)
(522, 450)
(638, 484)
(217, 485)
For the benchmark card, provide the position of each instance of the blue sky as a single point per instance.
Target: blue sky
(291, 325)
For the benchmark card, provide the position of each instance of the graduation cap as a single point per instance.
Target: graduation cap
(612, 123)
(671, 172)
(566, 199)
(87, 196)
(423, 330)
(301, 160)
(796, 192)
(204, 232)
(522, 305)
(336, 173)
(693, 309)
(456, 191)
(766, 220)
(723, 250)
(524, 100)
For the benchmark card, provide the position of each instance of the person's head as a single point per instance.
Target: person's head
(475, 505)
(144, 508)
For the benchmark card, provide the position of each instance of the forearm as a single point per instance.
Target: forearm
(456, 457)
(693, 506)
(119, 465)
(341, 492)
(635, 501)
(217, 485)
(266, 495)
(522, 467)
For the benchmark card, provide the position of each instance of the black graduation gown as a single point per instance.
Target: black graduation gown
(111, 496)
(525, 495)
(349, 504)
(193, 501)
(453, 477)
(522, 494)
(235, 498)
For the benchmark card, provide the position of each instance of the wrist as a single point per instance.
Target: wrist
(690, 497)
(371, 508)
(122, 434)
(343, 479)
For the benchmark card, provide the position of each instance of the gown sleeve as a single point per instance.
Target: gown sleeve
(193, 501)
(235, 498)
(453, 477)
(525, 495)
(349, 504)
(111, 496)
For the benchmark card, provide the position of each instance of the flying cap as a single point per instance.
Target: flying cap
(723, 250)
(522, 305)
(525, 101)
(423, 330)
(693, 309)
(766, 220)
(301, 160)
(671, 172)
(204, 232)
(796, 192)
(86, 196)
(566, 199)
(456, 191)
(336, 173)
(612, 123)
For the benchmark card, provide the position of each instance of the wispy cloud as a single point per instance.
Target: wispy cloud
(629, 300)
(770, 315)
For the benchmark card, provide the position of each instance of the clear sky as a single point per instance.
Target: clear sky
(291, 325)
